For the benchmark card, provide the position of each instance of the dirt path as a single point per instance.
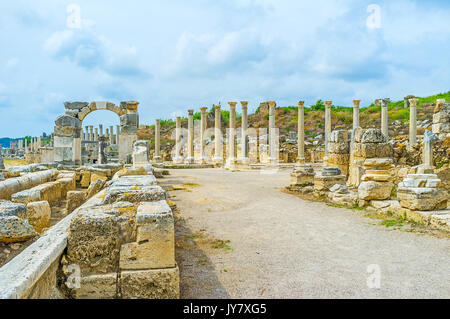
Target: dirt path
(239, 236)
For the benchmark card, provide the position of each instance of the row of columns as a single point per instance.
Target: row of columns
(300, 136)
(92, 134)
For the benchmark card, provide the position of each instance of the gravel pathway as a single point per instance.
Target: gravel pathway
(281, 246)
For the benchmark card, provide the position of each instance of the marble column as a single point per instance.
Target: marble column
(96, 134)
(244, 134)
(86, 133)
(2, 164)
(26, 145)
(301, 132)
(327, 125)
(117, 135)
(231, 135)
(178, 159)
(203, 127)
(107, 133)
(190, 142)
(157, 157)
(91, 133)
(384, 118)
(218, 158)
(111, 136)
(102, 150)
(413, 122)
(427, 151)
(272, 133)
(356, 113)
(101, 129)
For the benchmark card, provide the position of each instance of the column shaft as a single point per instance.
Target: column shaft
(356, 113)
(413, 122)
(157, 157)
(301, 132)
(327, 124)
(244, 134)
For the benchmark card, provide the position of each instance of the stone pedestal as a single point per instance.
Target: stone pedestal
(303, 175)
(140, 154)
(377, 181)
(329, 177)
(420, 192)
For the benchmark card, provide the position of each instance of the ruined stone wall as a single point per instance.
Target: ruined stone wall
(368, 143)
(339, 150)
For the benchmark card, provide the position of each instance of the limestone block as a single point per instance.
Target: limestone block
(14, 229)
(85, 179)
(421, 180)
(14, 185)
(154, 246)
(95, 176)
(324, 183)
(67, 184)
(441, 117)
(347, 199)
(130, 171)
(75, 105)
(50, 192)
(369, 190)
(378, 163)
(339, 148)
(440, 128)
(422, 198)
(134, 194)
(150, 284)
(302, 179)
(372, 136)
(97, 287)
(95, 187)
(95, 237)
(135, 180)
(340, 159)
(38, 215)
(140, 152)
(339, 136)
(376, 177)
(74, 200)
(8, 208)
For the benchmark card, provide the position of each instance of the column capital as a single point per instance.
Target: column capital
(413, 102)
(440, 101)
(244, 103)
(232, 104)
(157, 121)
(272, 103)
(217, 107)
(191, 112)
(301, 103)
(328, 104)
(203, 109)
(356, 103)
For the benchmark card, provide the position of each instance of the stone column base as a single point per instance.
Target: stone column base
(157, 159)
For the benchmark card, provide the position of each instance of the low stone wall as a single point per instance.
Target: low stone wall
(33, 273)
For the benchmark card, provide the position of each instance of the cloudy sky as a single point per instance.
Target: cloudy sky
(175, 55)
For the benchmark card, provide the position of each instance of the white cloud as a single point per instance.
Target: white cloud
(12, 63)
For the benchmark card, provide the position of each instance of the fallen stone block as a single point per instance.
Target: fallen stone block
(67, 184)
(324, 183)
(51, 192)
(14, 229)
(85, 179)
(95, 187)
(370, 190)
(423, 199)
(150, 284)
(38, 215)
(8, 208)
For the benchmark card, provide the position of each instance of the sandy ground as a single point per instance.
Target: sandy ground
(239, 236)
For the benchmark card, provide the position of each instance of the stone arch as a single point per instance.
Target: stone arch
(68, 127)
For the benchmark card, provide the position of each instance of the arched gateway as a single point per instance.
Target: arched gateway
(68, 128)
